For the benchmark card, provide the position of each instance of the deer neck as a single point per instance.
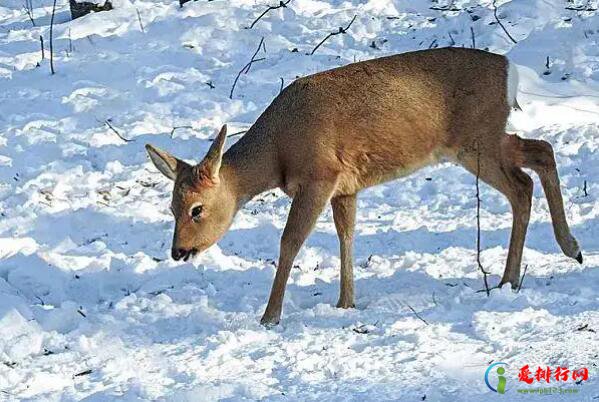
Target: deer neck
(250, 167)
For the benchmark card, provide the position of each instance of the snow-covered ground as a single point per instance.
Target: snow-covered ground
(91, 306)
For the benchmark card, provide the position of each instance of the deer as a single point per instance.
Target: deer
(329, 135)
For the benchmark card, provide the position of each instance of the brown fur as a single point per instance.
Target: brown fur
(329, 135)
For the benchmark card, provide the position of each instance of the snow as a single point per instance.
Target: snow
(92, 308)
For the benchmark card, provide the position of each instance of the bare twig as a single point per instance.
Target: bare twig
(70, 42)
(473, 38)
(416, 314)
(522, 279)
(29, 11)
(82, 373)
(485, 290)
(114, 130)
(179, 127)
(451, 38)
(445, 8)
(232, 134)
(51, 33)
(500, 24)
(480, 266)
(283, 83)
(340, 31)
(141, 26)
(42, 47)
(237, 133)
(246, 68)
(281, 5)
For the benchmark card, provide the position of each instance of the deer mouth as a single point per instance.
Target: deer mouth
(183, 254)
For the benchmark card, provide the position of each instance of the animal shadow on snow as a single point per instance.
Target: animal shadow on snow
(98, 256)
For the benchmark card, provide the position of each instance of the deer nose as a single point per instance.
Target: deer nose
(178, 253)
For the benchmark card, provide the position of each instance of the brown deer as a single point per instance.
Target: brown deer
(329, 135)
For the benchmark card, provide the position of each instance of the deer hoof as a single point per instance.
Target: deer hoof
(268, 321)
(345, 304)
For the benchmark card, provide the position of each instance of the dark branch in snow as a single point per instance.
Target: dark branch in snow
(416, 314)
(480, 266)
(232, 134)
(340, 31)
(281, 5)
(473, 38)
(51, 32)
(500, 24)
(452, 43)
(70, 43)
(283, 83)
(82, 373)
(179, 127)
(42, 47)
(141, 26)
(246, 68)
(522, 279)
(29, 11)
(114, 130)
(449, 7)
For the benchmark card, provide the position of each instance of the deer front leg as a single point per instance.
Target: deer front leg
(307, 205)
(344, 215)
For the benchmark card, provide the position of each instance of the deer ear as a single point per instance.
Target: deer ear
(166, 163)
(213, 159)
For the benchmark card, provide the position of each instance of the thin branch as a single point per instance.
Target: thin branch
(42, 47)
(114, 130)
(522, 279)
(237, 133)
(51, 32)
(232, 134)
(246, 68)
(70, 42)
(473, 38)
(500, 24)
(141, 26)
(340, 31)
(281, 90)
(451, 38)
(178, 127)
(416, 314)
(445, 8)
(281, 5)
(29, 11)
(480, 266)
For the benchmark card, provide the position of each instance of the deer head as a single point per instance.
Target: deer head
(203, 202)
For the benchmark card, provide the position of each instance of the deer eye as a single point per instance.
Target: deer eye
(196, 212)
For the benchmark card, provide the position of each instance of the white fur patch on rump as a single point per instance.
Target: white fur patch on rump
(512, 83)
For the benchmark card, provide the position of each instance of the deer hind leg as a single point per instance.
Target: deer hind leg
(344, 215)
(505, 176)
(307, 205)
(538, 156)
